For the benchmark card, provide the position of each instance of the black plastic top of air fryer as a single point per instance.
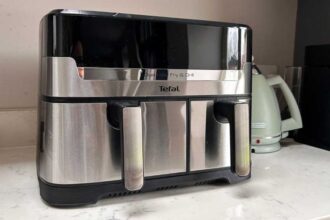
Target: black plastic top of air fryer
(101, 39)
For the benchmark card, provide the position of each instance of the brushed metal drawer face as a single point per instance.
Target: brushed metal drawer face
(209, 138)
(164, 137)
(79, 145)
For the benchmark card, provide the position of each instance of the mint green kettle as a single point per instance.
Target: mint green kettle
(267, 127)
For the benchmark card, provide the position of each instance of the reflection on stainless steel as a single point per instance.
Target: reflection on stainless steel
(119, 74)
(242, 139)
(133, 148)
(164, 137)
(76, 144)
(61, 78)
(97, 73)
(244, 45)
(232, 48)
(245, 82)
(209, 138)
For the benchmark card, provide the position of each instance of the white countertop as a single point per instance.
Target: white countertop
(293, 183)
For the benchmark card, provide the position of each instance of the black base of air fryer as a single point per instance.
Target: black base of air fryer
(84, 194)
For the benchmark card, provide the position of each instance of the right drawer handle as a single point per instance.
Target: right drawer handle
(132, 148)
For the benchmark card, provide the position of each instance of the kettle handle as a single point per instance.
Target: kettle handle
(295, 121)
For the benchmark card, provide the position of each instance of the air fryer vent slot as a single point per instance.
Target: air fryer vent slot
(117, 194)
(202, 183)
(167, 187)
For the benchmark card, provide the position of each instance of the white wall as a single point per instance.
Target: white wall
(273, 23)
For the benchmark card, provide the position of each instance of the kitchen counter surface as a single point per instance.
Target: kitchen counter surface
(293, 183)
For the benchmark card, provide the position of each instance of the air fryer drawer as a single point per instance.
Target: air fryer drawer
(164, 137)
(81, 145)
(78, 144)
(209, 137)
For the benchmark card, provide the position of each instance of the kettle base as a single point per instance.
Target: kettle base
(269, 148)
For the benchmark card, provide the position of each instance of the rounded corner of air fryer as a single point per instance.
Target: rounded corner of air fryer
(247, 27)
(52, 13)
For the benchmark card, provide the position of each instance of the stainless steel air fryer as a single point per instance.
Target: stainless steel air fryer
(132, 103)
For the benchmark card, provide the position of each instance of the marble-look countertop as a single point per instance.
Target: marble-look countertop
(293, 183)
